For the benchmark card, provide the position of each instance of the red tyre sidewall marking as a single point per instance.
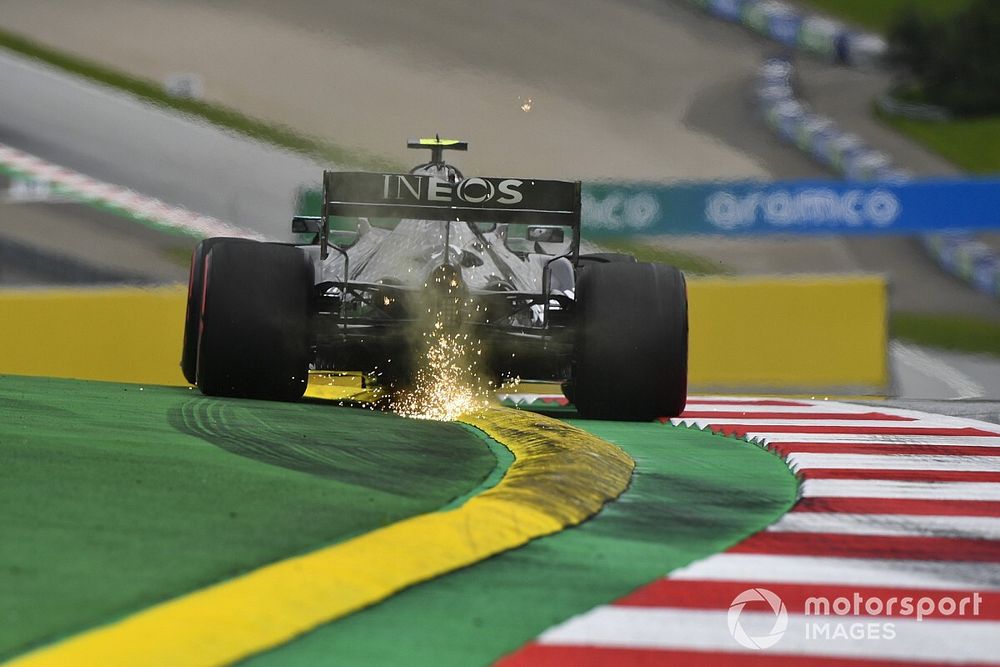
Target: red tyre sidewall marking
(201, 312)
(187, 309)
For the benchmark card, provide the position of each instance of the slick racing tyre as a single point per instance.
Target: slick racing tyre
(605, 258)
(254, 335)
(630, 359)
(192, 317)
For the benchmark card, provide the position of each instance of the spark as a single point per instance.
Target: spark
(448, 385)
(526, 105)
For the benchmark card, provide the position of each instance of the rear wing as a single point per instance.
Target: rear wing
(424, 197)
(502, 200)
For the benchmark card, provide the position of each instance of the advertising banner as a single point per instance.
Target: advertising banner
(792, 207)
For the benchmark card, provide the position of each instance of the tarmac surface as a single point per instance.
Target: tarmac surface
(46, 239)
(608, 95)
(640, 89)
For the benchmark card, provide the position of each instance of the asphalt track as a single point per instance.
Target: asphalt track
(111, 250)
(613, 97)
(46, 240)
(114, 138)
(935, 551)
(920, 373)
(371, 73)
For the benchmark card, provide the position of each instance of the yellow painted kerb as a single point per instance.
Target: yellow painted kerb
(561, 476)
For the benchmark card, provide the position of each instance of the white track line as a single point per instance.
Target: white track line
(667, 627)
(822, 407)
(809, 460)
(697, 629)
(703, 422)
(968, 527)
(750, 410)
(822, 570)
(700, 400)
(875, 488)
(93, 191)
(960, 383)
(901, 439)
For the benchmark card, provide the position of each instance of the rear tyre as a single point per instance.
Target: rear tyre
(605, 258)
(192, 318)
(254, 336)
(630, 361)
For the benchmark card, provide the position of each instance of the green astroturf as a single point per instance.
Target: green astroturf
(693, 494)
(971, 143)
(950, 332)
(879, 14)
(115, 498)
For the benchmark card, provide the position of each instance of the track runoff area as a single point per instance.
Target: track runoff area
(890, 552)
(891, 555)
(221, 534)
(884, 549)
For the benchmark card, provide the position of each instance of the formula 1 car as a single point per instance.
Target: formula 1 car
(496, 257)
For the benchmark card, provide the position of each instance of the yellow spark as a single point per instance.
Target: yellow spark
(510, 384)
(447, 385)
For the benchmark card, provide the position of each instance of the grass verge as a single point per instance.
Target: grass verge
(949, 332)
(971, 143)
(692, 494)
(121, 496)
(686, 262)
(879, 14)
(216, 114)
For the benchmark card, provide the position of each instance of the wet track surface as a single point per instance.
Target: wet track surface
(987, 411)
(115, 138)
(613, 98)
(50, 240)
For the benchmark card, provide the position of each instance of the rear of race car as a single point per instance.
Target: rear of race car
(496, 260)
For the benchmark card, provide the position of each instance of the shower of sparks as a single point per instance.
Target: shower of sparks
(526, 105)
(448, 383)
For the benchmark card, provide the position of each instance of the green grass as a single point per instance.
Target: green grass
(686, 262)
(216, 114)
(179, 255)
(116, 498)
(879, 14)
(693, 494)
(973, 144)
(950, 332)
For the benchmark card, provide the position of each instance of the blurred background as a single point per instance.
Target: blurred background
(824, 171)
